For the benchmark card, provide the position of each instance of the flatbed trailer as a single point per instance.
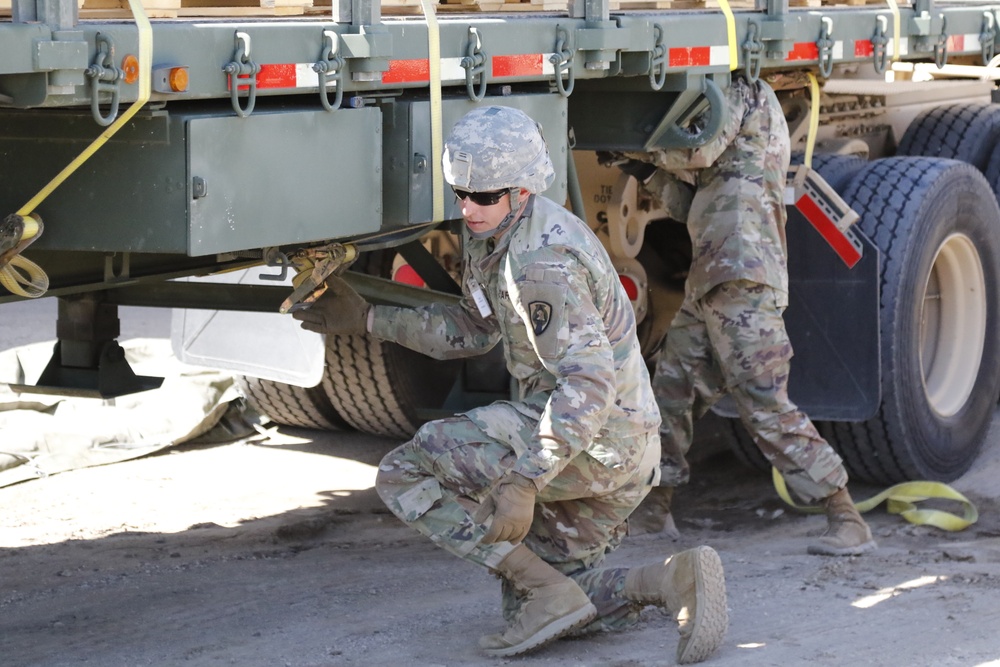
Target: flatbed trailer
(199, 162)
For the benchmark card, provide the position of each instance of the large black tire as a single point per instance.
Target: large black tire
(993, 173)
(937, 226)
(966, 132)
(286, 404)
(383, 388)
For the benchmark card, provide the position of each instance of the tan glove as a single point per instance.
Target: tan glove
(340, 310)
(512, 503)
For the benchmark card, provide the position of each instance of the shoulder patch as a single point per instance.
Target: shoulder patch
(540, 313)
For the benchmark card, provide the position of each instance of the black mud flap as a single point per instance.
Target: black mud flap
(833, 315)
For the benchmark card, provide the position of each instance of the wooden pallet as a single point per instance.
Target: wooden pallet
(6, 9)
(168, 9)
(503, 6)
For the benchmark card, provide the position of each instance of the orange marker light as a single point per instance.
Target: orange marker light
(178, 79)
(130, 67)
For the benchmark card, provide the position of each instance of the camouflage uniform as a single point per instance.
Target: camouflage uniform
(729, 336)
(583, 426)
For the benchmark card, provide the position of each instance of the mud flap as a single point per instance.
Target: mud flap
(833, 313)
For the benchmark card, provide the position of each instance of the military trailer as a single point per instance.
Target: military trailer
(221, 159)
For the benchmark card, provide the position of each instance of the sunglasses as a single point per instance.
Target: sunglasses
(481, 198)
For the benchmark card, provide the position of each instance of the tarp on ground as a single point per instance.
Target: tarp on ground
(44, 434)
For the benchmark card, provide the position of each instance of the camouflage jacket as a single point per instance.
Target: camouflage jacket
(737, 218)
(568, 332)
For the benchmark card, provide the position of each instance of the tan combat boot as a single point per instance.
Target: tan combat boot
(847, 533)
(692, 587)
(554, 605)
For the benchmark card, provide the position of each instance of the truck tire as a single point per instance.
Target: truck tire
(966, 132)
(937, 226)
(286, 404)
(993, 174)
(382, 388)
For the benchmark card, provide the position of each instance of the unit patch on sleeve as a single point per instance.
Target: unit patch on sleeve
(542, 302)
(540, 313)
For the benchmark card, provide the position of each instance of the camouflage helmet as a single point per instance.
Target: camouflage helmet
(497, 148)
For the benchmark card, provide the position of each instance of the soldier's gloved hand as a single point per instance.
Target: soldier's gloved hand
(340, 310)
(512, 503)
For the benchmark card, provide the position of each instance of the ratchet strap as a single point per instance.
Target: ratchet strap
(901, 499)
(23, 277)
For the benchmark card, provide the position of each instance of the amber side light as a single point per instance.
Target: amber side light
(130, 67)
(178, 79)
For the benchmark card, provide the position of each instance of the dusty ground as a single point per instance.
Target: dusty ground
(279, 553)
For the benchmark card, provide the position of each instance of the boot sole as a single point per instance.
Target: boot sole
(712, 620)
(551, 632)
(823, 550)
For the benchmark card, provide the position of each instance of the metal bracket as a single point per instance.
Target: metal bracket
(824, 46)
(242, 71)
(753, 51)
(104, 77)
(941, 46)
(987, 37)
(880, 44)
(562, 59)
(474, 64)
(330, 67)
(671, 133)
(657, 60)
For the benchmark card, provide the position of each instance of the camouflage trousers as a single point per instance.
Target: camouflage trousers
(733, 341)
(437, 482)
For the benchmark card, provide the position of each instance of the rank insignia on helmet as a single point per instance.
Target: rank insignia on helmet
(541, 315)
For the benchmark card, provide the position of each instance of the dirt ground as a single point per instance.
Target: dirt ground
(279, 553)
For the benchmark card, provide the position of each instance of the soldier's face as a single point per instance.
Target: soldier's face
(482, 219)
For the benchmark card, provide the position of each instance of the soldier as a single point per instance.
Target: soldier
(537, 489)
(729, 336)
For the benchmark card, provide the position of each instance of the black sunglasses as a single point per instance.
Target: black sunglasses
(481, 198)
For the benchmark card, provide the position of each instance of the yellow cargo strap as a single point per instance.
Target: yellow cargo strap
(901, 499)
(21, 271)
(437, 147)
(813, 119)
(896, 23)
(734, 56)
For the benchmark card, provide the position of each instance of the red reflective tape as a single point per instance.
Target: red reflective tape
(804, 51)
(690, 56)
(956, 43)
(407, 71)
(863, 48)
(529, 64)
(836, 238)
(276, 76)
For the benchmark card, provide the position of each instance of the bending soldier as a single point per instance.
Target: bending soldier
(729, 335)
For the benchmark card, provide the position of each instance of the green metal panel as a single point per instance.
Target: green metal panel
(272, 179)
(282, 178)
(410, 160)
